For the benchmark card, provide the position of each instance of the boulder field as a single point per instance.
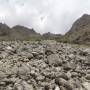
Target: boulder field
(44, 65)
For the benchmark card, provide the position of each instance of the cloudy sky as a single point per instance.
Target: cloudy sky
(56, 16)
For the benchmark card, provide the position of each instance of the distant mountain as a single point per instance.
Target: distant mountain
(21, 32)
(17, 33)
(80, 31)
(49, 35)
(4, 30)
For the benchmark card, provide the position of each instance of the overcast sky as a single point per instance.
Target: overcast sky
(56, 16)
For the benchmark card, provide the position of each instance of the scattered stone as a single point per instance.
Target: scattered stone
(44, 66)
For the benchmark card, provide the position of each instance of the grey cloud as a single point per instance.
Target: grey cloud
(54, 16)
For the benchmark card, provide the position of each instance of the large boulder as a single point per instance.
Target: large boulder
(64, 83)
(54, 59)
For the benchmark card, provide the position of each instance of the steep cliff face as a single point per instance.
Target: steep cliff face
(80, 31)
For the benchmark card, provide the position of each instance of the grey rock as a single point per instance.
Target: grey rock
(64, 76)
(62, 88)
(9, 88)
(74, 74)
(88, 77)
(2, 83)
(2, 75)
(86, 86)
(57, 88)
(30, 56)
(67, 66)
(64, 83)
(40, 78)
(27, 86)
(50, 49)
(54, 60)
(35, 54)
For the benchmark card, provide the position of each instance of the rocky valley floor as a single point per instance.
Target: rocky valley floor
(44, 66)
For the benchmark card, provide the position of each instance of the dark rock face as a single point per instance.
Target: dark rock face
(27, 66)
(80, 31)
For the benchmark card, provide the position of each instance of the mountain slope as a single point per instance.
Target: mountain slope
(80, 31)
(17, 33)
(51, 36)
(4, 30)
(21, 32)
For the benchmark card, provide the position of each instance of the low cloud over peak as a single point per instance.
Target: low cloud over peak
(54, 16)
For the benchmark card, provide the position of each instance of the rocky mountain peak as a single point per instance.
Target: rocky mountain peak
(80, 30)
(22, 28)
(85, 15)
(2, 26)
(4, 29)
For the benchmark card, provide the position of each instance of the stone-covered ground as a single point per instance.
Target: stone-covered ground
(44, 66)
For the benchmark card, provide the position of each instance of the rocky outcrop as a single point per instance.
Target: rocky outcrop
(44, 66)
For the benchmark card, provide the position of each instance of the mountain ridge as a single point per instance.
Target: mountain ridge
(16, 32)
(80, 31)
(19, 32)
